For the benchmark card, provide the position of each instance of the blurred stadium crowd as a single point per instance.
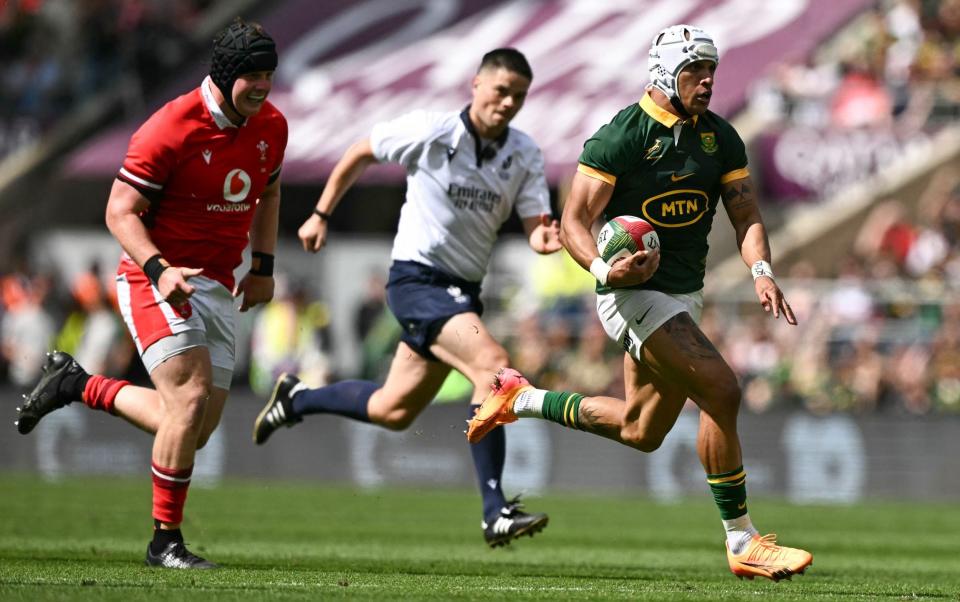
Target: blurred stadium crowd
(880, 327)
(59, 53)
(880, 330)
(898, 64)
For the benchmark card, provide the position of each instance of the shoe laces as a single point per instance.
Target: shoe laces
(766, 549)
(512, 507)
(179, 550)
(497, 383)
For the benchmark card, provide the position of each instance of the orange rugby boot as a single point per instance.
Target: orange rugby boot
(764, 558)
(497, 408)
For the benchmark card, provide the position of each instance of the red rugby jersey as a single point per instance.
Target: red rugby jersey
(203, 177)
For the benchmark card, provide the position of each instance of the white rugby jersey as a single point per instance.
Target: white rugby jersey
(458, 195)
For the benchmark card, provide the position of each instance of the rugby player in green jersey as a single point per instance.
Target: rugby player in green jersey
(669, 160)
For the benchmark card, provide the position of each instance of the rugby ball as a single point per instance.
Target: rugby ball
(625, 235)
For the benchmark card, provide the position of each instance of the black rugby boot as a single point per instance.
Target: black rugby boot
(512, 523)
(176, 556)
(278, 411)
(50, 394)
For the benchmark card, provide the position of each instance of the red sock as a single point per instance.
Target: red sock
(170, 493)
(101, 391)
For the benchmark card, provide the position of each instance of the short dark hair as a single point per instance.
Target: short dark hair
(510, 59)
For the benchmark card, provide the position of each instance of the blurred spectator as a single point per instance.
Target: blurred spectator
(860, 100)
(371, 307)
(26, 329)
(593, 367)
(377, 330)
(290, 335)
(92, 331)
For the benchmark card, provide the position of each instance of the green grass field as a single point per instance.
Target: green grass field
(85, 540)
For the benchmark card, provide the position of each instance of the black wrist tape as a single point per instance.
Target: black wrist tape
(153, 267)
(266, 264)
(322, 215)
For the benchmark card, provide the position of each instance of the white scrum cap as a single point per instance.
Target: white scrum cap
(673, 49)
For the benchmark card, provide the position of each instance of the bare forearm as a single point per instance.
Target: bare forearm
(263, 230)
(579, 242)
(587, 199)
(754, 245)
(133, 236)
(744, 213)
(345, 174)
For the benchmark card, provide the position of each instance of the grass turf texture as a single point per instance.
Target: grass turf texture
(84, 539)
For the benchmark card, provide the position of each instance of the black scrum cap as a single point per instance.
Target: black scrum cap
(238, 49)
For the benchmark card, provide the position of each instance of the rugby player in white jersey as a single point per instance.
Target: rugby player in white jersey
(466, 172)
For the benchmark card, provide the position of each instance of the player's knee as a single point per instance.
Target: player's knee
(727, 395)
(491, 358)
(192, 408)
(397, 420)
(640, 438)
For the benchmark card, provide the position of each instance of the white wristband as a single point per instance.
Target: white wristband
(600, 270)
(761, 268)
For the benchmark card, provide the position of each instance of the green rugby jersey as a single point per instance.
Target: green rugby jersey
(672, 183)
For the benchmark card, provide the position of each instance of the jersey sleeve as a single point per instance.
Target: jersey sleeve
(402, 140)
(608, 151)
(282, 134)
(734, 158)
(534, 196)
(151, 156)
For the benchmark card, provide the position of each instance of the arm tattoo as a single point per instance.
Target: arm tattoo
(738, 196)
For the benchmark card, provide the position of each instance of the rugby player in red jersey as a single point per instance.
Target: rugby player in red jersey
(201, 179)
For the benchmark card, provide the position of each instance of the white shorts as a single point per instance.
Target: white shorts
(160, 331)
(630, 316)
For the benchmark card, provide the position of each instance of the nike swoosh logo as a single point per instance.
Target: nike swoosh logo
(741, 506)
(675, 178)
(640, 319)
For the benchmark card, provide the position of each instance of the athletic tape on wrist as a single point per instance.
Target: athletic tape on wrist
(266, 264)
(155, 266)
(600, 270)
(761, 268)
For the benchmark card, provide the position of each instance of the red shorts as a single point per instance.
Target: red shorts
(160, 331)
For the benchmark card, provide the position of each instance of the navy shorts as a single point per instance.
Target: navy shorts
(423, 298)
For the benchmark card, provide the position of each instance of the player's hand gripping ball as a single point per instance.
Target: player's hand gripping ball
(625, 235)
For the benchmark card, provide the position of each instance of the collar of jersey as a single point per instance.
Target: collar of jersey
(477, 140)
(651, 108)
(219, 117)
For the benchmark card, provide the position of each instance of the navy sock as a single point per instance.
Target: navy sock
(346, 398)
(489, 456)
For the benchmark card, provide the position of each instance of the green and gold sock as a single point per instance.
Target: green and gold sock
(730, 492)
(563, 408)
